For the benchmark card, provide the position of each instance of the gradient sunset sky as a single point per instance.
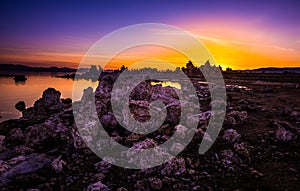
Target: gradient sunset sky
(241, 35)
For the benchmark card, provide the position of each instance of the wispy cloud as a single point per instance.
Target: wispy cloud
(224, 41)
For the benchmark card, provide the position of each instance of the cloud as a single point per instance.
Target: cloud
(223, 41)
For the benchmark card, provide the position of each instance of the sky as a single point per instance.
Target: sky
(240, 35)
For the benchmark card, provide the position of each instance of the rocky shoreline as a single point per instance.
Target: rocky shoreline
(258, 147)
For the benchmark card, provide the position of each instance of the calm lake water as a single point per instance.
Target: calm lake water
(32, 89)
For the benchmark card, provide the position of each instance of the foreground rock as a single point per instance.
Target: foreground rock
(43, 150)
(282, 134)
(98, 186)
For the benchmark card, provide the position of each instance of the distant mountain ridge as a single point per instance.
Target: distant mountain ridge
(275, 70)
(23, 68)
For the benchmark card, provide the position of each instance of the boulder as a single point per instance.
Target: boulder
(174, 166)
(58, 164)
(33, 163)
(284, 135)
(155, 183)
(4, 167)
(236, 118)
(49, 103)
(21, 106)
(98, 186)
(142, 185)
(241, 148)
(231, 135)
(229, 159)
(295, 115)
(15, 135)
(50, 97)
(103, 166)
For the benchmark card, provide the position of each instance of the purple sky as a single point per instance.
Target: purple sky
(34, 30)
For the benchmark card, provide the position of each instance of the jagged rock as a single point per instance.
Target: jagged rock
(165, 130)
(177, 147)
(284, 135)
(34, 163)
(230, 135)
(230, 121)
(99, 176)
(16, 160)
(34, 114)
(218, 104)
(155, 183)
(181, 130)
(21, 106)
(109, 120)
(174, 166)
(103, 166)
(4, 167)
(50, 97)
(228, 157)
(67, 101)
(203, 134)
(295, 115)
(101, 107)
(142, 91)
(166, 94)
(49, 103)
(142, 185)
(58, 164)
(87, 95)
(204, 116)
(78, 142)
(140, 103)
(134, 137)
(240, 117)
(98, 186)
(15, 135)
(241, 148)
(23, 150)
(157, 155)
(147, 143)
(52, 131)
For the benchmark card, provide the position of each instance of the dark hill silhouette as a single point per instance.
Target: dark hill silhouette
(23, 68)
(276, 70)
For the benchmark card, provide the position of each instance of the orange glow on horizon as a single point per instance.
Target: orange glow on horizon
(235, 44)
(148, 52)
(245, 45)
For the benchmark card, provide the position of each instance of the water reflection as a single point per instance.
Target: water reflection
(31, 90)
(20, 83)
(168, 83)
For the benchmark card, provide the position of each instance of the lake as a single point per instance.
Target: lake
(32, 89)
